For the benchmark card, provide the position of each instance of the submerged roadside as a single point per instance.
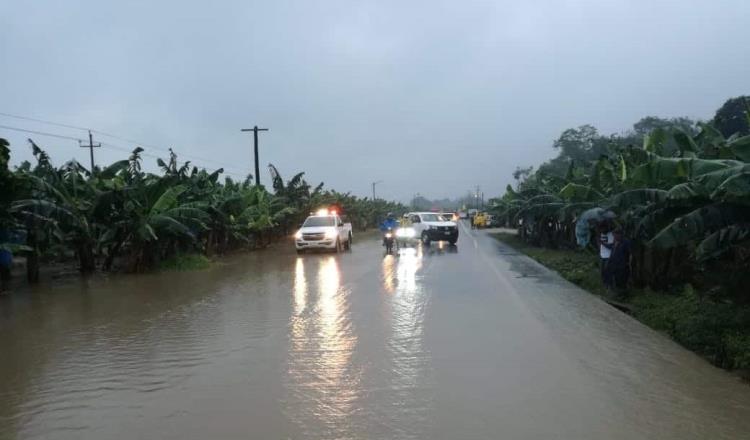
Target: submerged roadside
(717, 330)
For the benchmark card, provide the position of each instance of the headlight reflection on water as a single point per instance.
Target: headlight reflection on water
(409, 361)
(400, 272)
(300, 287)
(321, 381)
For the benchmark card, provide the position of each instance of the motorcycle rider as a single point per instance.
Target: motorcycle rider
(390, 222)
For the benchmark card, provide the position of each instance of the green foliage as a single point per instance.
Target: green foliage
(185, 262)
(715, 329)
(637, 197)
(653, 142)
(722, 241)
(667, 172)
(732, 117)
(736, 346)
(687, 182)
(578, 192)
(121, 215)
(698, 224)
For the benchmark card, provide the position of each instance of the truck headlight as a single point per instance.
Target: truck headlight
(331, 233)
(298, 235)
(405, 232)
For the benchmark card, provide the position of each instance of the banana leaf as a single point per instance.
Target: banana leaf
(654, 141)
(670, 171)
(714, 179)
(643, 196)
(721, 241)
(735, 189)
(685, 142)
(540, 210)
(741, 148)
(699, 223)
(688, 192)
(581, 193)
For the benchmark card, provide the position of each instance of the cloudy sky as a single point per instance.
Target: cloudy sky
(430, 96)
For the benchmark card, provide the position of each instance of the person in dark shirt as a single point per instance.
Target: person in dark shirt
(619, 261)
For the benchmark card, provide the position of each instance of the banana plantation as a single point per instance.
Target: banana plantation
(120, 217)
(682, 194)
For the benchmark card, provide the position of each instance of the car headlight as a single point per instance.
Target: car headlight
(405, 232)
(298, 235)
(331, 233)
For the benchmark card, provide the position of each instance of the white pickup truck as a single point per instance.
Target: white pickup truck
(324, 230)
(428, 227)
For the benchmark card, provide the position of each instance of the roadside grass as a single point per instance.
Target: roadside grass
(580, 268)
(717, 330)
(185, 262)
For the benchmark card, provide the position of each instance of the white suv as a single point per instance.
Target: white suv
(430, 226)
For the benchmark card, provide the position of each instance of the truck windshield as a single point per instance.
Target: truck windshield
(319, 221)
(432, 218)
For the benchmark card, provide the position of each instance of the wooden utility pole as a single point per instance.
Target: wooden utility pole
(91, 147)
(373, 189)
(255, 131)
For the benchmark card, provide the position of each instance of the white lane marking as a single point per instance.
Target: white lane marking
(468, 232)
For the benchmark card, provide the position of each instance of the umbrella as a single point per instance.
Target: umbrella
(595, 215)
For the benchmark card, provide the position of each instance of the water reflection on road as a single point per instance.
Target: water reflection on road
(410, 375)
(323, 385)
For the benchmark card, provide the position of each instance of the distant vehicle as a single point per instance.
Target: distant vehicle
(479, 220)
(463, 215)
(490, 220)
(324, 230)
(451, 216)
(429, 227)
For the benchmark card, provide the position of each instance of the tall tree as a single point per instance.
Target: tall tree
(732, 117)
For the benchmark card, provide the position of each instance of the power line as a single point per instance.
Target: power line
(166, 150)
(103, 144)
(154, 156)
(27, 118)
(41, 133)
(114, 136)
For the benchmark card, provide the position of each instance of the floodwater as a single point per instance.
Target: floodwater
(474, 342)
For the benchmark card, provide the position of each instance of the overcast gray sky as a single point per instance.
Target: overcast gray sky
(430, 96)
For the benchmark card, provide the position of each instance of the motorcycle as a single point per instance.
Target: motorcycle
(389, 238)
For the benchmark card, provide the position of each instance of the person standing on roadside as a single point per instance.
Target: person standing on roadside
(606, 240)
(619, 262)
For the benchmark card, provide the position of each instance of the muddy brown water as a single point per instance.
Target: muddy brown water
(475, 342)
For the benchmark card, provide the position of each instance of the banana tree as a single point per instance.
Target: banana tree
(263, 213)
(156, 218)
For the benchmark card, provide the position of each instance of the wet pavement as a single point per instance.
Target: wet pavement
(472, 342)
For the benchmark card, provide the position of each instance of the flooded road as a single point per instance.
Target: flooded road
(475, 342)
